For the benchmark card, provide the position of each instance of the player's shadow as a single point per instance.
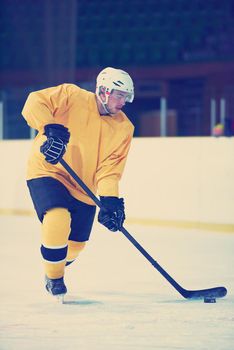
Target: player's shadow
(79, 301)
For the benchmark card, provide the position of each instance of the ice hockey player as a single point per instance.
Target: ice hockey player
(93, 135)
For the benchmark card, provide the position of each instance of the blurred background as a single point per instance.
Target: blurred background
(180, 54)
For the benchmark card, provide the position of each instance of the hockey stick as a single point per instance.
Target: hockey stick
(212, 293)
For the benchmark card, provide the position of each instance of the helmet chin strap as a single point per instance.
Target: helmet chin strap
(104, 104)
(105, 108)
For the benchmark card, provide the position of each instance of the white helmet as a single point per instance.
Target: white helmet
(112, 78)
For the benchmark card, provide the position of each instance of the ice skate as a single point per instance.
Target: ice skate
(56, 287)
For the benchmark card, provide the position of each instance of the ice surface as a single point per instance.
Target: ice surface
(116, 299)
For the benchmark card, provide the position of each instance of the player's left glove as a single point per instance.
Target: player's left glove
(112, 214)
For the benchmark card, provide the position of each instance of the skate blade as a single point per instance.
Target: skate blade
(60, 298)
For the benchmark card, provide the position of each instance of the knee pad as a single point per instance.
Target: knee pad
(56, 227)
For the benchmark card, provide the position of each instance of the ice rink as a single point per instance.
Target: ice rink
(116, 299)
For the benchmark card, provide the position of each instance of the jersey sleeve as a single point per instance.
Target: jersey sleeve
(47, 106)
(111, 169)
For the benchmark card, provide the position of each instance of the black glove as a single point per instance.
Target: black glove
(55, 145)
(111, 214)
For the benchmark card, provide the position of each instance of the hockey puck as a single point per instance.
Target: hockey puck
(209, 300)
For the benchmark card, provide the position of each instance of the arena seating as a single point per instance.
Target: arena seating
(127, 33)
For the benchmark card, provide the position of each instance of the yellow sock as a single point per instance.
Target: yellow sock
(74, 249)
(55, 233)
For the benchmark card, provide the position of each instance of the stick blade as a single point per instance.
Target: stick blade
(216, 292)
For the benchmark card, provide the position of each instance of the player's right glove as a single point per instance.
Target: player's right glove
(55, 145)
(112, 214)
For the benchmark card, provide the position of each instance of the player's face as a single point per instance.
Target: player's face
(116, 101)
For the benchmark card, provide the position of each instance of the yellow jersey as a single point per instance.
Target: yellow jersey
(98, 145)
